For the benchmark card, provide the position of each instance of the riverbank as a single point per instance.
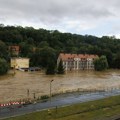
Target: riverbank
(104, 109)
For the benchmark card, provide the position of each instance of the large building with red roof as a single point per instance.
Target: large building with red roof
(77, 61)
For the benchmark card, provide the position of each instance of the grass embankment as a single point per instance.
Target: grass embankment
(94, 110)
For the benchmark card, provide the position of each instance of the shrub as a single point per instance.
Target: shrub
(44, 97)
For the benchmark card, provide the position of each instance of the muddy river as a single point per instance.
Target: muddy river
(14, 87)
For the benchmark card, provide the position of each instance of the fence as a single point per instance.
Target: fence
(38, 98)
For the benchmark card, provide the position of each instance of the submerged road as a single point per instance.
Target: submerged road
(60, 100)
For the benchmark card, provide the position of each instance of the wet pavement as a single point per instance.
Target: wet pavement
(59, 100)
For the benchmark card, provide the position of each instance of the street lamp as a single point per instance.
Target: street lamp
(51, 89)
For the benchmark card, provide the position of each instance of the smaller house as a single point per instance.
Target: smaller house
(14, 49)
(20, 63)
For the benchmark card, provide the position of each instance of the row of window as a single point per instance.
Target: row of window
(80, 63)
(80, 66)
(89, 67)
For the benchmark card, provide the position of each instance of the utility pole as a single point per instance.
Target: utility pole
(51, 89)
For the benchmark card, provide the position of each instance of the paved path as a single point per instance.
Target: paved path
(60, 100)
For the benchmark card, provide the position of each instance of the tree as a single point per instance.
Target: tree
(47, 41)
(3, 66)
(117, 61)
(3, 51)
(101, 63)
(43, 44)
(26, 49)
(51, 68)
(43, 56)
(60, 69)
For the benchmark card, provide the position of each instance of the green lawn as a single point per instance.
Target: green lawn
(94, 110)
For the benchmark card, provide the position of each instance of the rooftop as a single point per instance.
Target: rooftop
(65, 56)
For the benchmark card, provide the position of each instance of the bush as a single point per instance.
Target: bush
(51, 68)
(101, 63)
(60, 69)
(44, 97)
(3, 66)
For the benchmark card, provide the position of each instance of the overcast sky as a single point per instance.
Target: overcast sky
(92, 17)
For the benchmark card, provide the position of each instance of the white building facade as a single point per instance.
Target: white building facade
(77, 61)
(20, 63)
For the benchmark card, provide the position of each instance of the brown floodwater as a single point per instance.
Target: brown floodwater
(14, 87)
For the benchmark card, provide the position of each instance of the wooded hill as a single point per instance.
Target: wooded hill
(44, 46)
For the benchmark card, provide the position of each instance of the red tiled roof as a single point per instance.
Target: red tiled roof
(65, 56)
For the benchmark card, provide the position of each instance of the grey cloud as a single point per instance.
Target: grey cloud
(58, 12)
(48, 10)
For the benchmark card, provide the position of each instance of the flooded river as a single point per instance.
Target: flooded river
(13, 87)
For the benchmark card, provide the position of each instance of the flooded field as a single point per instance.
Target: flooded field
(15, 87)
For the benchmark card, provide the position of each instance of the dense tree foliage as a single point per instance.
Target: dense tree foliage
(44, 45)
(60, 69)
(101, 63)
(51, 68)
(43, 56)
(4, 51)
(3, 66)
(117, 61)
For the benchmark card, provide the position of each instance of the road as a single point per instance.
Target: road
(60, 100)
